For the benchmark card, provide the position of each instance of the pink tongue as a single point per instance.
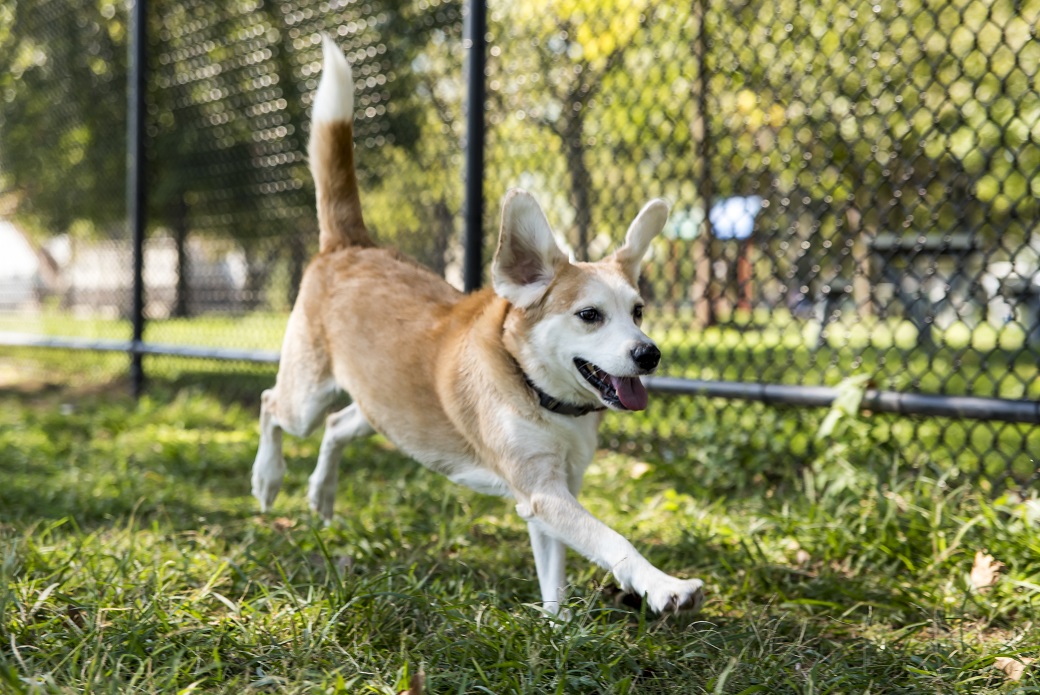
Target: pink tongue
(630, 391)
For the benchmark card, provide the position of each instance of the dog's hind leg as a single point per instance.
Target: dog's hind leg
(300, 397)
(275, 416)
(269, 466)
(340, 428)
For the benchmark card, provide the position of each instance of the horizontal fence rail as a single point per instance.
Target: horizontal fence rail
(138, 348)
(873, 400)
(778, 394)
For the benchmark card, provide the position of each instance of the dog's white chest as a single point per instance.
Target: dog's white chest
(568, 446)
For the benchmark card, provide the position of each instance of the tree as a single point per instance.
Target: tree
(232, 120)
(576, 47)
(63, 113)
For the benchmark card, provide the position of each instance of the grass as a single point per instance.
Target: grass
(132, 560)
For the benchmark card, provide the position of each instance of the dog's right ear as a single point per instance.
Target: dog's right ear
(527, 258)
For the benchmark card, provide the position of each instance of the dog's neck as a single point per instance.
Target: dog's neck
(557, 406)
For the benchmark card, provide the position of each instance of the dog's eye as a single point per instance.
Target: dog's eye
(637, 313)
(590, 315)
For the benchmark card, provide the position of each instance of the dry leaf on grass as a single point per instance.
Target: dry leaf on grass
(985, 572)
(1012, 668)
(283, 523)
(415, 686)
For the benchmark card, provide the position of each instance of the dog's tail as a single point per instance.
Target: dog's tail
(331, 152)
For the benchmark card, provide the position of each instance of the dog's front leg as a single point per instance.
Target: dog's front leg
(554, 511)
(550, 562)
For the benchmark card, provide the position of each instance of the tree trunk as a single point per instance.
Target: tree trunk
(704, 304)
(297, 260)
(443, 231)
(257, 271)
(181, 298)
(580, 179)
(861, 271)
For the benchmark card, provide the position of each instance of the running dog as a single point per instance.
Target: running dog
(500, 390)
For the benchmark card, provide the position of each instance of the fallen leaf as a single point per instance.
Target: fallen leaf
(843, 568)
(415, 686)
(985, 571)
(802, 557)
(76, 616)
(1012, 668)
(283, 523)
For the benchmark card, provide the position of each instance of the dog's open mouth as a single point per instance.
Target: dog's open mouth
(624, 392)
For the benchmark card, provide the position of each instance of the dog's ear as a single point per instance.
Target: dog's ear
(647, 224)
(527, 258)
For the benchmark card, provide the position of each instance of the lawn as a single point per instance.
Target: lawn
(134, 560)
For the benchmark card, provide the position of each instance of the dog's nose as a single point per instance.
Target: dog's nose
(646, 356)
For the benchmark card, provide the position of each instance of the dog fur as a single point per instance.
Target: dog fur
(455, 380)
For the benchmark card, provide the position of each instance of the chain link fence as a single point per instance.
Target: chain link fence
(855, 188)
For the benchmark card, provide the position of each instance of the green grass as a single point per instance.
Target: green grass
(132, 559)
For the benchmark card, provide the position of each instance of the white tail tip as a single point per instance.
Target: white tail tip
(334, 100)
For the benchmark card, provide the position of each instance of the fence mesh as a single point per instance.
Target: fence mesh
(62, 165)
(855, 185)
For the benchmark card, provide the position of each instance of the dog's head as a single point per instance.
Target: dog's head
(577, 332)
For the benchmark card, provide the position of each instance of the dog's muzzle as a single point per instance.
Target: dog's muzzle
(619, 392)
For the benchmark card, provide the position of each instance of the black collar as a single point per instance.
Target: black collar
(554, 405)
(557, 406)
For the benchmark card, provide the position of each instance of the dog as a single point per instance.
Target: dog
(500, 390)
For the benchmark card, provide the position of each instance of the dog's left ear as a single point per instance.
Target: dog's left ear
(647, 224)
(527, 258)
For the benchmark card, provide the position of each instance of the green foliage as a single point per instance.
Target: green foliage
(134, 561)
(63, 112)
(846, 405)
(222, 153)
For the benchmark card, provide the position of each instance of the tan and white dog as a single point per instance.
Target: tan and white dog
(498, 390)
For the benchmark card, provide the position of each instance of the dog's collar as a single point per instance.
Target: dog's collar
(557, 406)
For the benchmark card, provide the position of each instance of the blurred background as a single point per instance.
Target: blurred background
(855, 191)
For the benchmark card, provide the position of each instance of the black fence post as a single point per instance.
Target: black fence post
(476, 42)
(136, 190)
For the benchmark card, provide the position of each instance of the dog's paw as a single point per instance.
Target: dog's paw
(265, 491)
(267, 481)
(321, 494)
(671, 595)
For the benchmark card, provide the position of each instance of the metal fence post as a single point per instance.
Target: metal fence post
(136, 190)
(475, 42)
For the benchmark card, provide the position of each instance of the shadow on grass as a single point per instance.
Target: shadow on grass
(239, 383)
(93, 454)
